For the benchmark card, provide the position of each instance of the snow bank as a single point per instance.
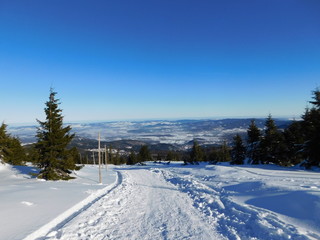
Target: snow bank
(71, 213)
(27, 204)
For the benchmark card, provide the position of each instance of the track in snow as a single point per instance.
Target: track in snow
(143, 206)
(174, 203)
(233, 220)
(59, 222)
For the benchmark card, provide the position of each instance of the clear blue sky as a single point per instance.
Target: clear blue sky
(158, 59)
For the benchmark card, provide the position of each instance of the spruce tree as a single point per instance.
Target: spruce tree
(144, 154)
(294, 140)
(253, 143)
(11, 150)
(55, 159)
(132, 158)
(172, 156)
(272, 144)
(3, 143)
(224, 153)
(238, 152)
(196, 154)
(311, 127)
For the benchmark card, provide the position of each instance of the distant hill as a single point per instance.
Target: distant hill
(161, 134)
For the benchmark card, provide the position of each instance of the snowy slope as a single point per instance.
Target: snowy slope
(169, 202)
(26, 204)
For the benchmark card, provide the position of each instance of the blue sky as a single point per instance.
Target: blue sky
(158, 59)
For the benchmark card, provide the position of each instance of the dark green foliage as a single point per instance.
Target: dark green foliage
(219, 154)
(294, 140)
(238, 152)
(196, 154)
(144, 154)
(132, 158)
(173, 156)
(272, 144)
(117, 159)
(55, 160)
(213, 155)
(11, 150)
(311, 127)
(224, 153)
(253, 143)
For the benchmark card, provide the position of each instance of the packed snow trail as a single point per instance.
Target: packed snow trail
(199, 202)
(143, 206)
(234, 221)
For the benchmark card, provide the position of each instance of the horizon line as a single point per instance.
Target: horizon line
(160, 119)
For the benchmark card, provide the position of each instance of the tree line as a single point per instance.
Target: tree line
(299, 143)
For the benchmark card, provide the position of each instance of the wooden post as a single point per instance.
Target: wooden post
(106, 156)
(99, 157)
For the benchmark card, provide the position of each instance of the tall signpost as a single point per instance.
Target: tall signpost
(99, 156)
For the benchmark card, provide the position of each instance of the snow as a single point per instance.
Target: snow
(160, 201)
(26, 204)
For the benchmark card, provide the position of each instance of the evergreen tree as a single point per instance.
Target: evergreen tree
(294, 140)
(55, 159)
(238, 152)
(144, 154)
(224, 153)
(311, 127)
(116, 158)
(213, 155)
(11, 150)
(272, 144)
(196, 154)
(172, 156)
(110, 155)
(4, 142)
(132, 158)
(253, 143)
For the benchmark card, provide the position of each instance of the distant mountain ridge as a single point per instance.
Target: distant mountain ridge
(170, 132)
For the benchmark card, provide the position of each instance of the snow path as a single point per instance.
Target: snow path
(143, 206)
(160, 201)
(235, 221)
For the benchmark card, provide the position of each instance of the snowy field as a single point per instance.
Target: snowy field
(160, 201)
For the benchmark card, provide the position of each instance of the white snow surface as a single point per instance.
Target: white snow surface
(160, 201)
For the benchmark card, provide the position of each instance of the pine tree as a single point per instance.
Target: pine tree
(55, 159)
(238, 152)
(253, 143)
(311, 128)
(196, 154)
